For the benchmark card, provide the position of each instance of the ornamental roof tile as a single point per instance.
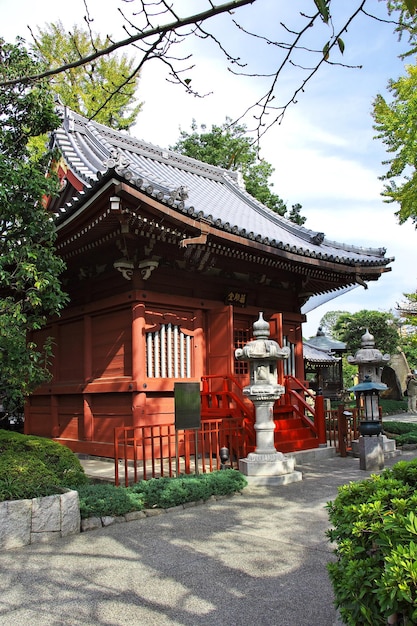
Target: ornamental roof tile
(93, 151)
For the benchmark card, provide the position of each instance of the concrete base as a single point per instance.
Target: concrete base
(303, 457)
(371, 453)
(269, 469)
(388, 446)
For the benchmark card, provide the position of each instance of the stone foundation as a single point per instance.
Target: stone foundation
(38, 520)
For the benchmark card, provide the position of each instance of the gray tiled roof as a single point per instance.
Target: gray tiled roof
(317, 355)
(92, 150)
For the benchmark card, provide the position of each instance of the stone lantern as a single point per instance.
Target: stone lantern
(265, 465)
(370, 362)
(369, 359)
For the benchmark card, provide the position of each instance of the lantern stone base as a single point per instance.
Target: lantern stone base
(388, 446)
(269, 469)
(371, 453)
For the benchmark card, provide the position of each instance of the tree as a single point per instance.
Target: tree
(303, 45)
(230, 147)
(330, 319)
(408, 327)
(103, 89)
(395, 123)
(383, 326)
(29, 269)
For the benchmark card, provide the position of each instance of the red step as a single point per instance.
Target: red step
(295, 446)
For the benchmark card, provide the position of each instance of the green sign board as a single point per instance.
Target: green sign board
(187, 405)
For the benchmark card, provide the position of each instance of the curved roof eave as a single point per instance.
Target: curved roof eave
(95, 154)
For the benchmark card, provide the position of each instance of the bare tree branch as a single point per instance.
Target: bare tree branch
(140, 36)
(155, 41)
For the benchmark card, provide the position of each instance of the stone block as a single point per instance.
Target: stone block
(133, 515)
(70, 513)
(46, 514)
(90, 523)
(44, 537)
(15, 523)
(371, 453)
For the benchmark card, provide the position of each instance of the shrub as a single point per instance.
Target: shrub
(168, 492)
(34, 466)
(402, 432)
(97, 500)
(391, 407)
(375, 531)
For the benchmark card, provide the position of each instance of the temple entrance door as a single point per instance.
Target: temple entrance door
(220, 351)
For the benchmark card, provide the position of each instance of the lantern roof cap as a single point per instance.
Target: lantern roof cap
(368, 385)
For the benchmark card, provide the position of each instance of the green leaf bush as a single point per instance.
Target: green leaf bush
(374, 527)
(33, 467)
(105, 499)
(403, 432)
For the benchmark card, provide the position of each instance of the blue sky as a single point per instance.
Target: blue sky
(323, 152)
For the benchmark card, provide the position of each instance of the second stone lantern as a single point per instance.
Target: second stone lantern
(265, 465)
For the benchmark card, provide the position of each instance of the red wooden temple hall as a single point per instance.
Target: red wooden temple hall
(169, 262)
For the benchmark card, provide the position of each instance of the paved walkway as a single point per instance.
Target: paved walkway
(257, 558)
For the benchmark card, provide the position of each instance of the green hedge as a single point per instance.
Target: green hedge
(99, 500)
(402, 432)
(33, 467)
(374, 524)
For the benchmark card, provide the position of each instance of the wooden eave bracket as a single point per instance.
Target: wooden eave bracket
(201, 238)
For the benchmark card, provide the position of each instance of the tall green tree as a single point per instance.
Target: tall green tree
(382, 325)
(395, 123)
(229, 146)
(329, 320)
(103, 89)
(30, 289)
(408, 316)
(395, 120)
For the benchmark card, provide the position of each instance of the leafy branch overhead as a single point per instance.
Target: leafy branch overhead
(301, 41)
(30, 290)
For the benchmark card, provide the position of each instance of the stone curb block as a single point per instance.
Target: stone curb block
(93, 523)
(39, 520)
(42, 520)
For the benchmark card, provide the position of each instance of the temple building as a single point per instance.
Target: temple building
(168, 263)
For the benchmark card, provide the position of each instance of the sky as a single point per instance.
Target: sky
(324, 152)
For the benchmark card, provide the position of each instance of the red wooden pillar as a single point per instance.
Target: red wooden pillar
(138, 343)
(54, 417)
(138, 364)
(320, 418)
(87, 433)
(86, 429)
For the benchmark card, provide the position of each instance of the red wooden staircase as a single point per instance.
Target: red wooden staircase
(299, 425)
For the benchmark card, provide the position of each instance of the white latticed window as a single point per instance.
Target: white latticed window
(168, 352)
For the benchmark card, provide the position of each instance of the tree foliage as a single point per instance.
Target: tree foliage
(395, 123)
(29, 269)
(329, 320)
(103, 89)
(229, 146)
(408, 317)
(395, 117)
(382, 325)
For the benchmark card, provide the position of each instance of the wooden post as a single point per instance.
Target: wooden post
(320, 418)
(341, 430)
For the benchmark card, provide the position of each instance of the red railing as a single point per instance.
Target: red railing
(222, 396)
(145, 452)
(295, 395)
